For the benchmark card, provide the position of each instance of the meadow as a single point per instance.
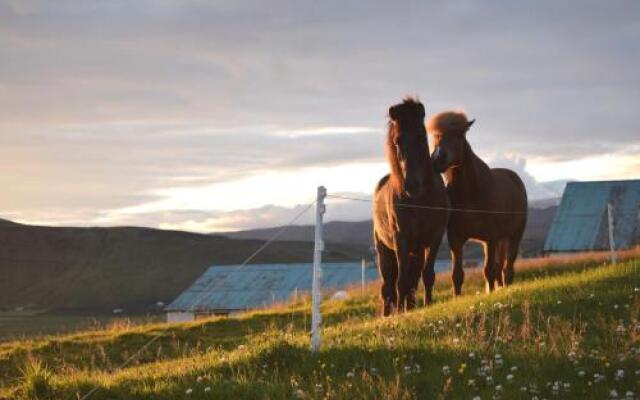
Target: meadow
(568, 329)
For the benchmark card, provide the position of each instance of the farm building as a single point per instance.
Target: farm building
(224, 290)
(581, 223)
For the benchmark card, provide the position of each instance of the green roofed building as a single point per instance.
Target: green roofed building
(581, 223)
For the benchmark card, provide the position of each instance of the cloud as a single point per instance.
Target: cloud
(106, 106)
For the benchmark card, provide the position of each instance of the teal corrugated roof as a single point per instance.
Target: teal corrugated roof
(581, 221)
(234, 287)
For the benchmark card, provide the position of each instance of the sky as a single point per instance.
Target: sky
(223, 115)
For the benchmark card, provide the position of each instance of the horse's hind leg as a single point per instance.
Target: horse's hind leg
(388, 268)
(489, 269)
(514, 247)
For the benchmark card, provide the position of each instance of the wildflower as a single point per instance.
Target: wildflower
(629, 395)
(446, 370)
(581, 373)
(621, 330)
(615, 306)
(374, 370)
(207, 389)
(499, 363)
(523, 389)
(559, 301)
(477, 398)
(514, 368)
(472, 355)
(510, 378)
(350, 374)
(613, 394)
(188, 391)
(471, 382)
(199, 379)
(299, 393)
(619, 374)
(489, 379)
(498, 388)
(566, 386)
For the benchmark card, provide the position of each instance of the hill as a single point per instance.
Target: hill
(567, 329)
(539, 221)
(91, 270)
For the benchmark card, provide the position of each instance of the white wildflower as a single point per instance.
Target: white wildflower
(188, 391)
(446, 370)
(207, 389)
(510, 378)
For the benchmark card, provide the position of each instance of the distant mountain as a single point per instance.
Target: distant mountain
(98, 269)
(539, 221)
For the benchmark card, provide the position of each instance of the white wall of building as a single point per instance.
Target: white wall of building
(180, 316)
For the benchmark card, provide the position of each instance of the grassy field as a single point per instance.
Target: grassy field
(568, 329)
(15, 326)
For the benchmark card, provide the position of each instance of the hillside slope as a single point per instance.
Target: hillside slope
(98, 269)
(567, 329)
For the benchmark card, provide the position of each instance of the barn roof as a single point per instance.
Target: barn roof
(235, 287)
(581, 221)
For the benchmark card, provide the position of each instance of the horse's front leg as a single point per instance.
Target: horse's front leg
(405, 285)
(490, 264)
(457, 257)
(416, 261)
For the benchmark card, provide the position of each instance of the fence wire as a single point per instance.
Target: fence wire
(204, 292)
(452, 209)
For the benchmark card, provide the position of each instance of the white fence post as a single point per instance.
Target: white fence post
(316, 290)
(612, 246)
(364, 263)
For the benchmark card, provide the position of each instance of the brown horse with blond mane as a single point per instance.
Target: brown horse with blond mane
(494, 200)
(410, 210)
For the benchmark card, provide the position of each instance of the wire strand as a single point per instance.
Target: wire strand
(204, 292)
(469, 210)
(255, 253)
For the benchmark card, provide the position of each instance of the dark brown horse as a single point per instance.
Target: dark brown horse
(407, 232)
(472, 185)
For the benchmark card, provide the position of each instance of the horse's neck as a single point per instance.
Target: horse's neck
(469, 183)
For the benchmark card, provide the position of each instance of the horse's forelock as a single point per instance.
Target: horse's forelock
(448, 122)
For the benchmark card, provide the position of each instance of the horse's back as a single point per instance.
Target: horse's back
(509, 185)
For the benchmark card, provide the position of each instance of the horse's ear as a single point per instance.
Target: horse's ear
(393, 112)
(470, 123)
(421, 110)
